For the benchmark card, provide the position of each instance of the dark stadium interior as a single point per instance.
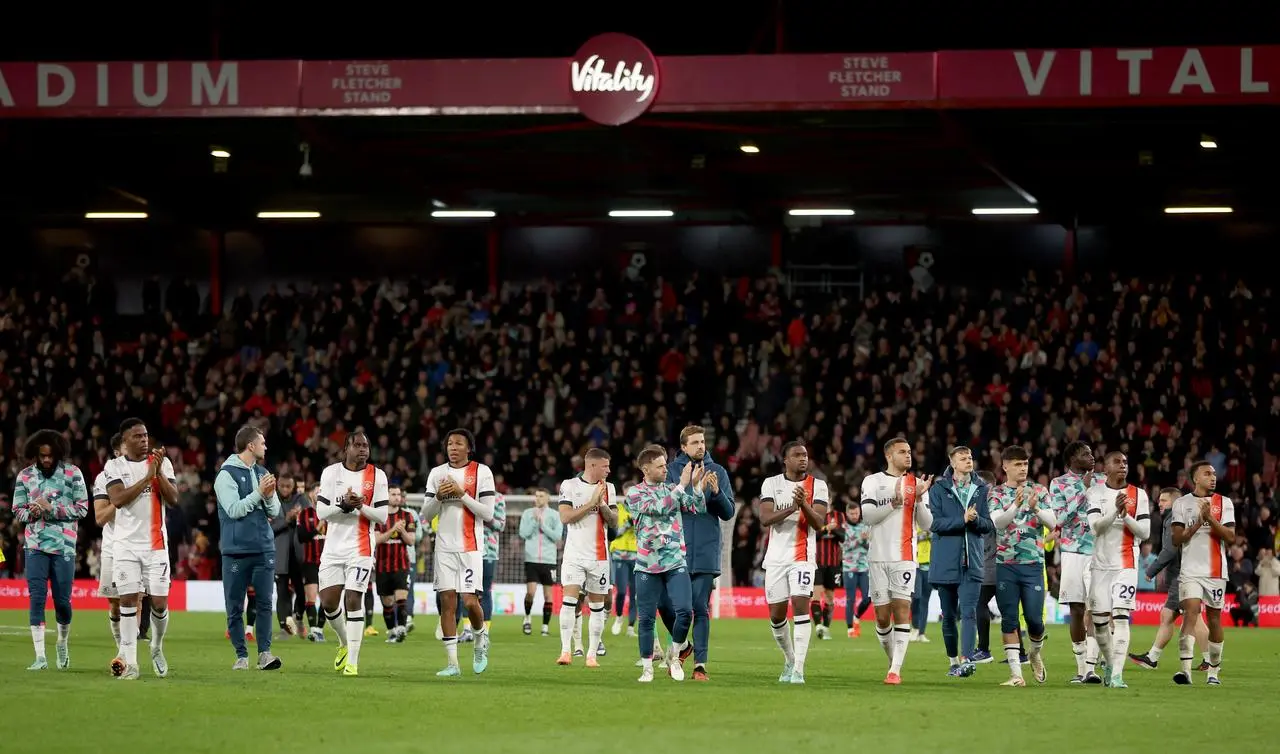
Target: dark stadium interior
(1081, 166)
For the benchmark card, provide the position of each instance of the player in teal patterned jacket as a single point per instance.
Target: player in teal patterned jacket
(492, 549)
(1075, 553)
(854, 564)
(50, 498)
(656, 506)
(1020, 511)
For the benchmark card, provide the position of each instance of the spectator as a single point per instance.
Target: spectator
(1239, 569)
(1268, 573)
(1245, 611)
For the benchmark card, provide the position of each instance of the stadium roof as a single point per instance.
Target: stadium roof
(1079, 165)
(893, 166)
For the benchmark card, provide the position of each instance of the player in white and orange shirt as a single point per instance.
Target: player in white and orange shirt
(1120, 518)
(894, 502)
(352, 500)
(463, 494)
(1204, 525)
(588, 507)
(140, 483)
(793, 506)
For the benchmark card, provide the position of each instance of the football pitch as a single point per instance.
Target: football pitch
(525, 703)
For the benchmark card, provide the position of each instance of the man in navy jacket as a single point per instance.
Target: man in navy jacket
(702, 536)
(960, 520)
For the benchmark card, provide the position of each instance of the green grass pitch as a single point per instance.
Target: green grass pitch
(525, 703)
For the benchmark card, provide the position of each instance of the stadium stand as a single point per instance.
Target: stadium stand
(1168, 370)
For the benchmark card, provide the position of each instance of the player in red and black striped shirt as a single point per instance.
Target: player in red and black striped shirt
(395, 537)
(311, 534)
(827, 577)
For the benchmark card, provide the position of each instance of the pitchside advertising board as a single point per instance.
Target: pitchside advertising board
(508, 599)
(614, 79)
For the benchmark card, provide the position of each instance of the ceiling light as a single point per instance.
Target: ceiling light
(294, 215)
(1198, 210)
(222, 153)
(464, 213)
(749, 149)
(115, 215)
(832, 212)
(997, 211)
(641, 213)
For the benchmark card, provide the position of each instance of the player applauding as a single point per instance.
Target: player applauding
(894, 502)
(353, 499)
(1020, 511)
(793, 506)
(1204, 524)
(1120, 517)
(661, 568)
(588, 506)
(463, 493)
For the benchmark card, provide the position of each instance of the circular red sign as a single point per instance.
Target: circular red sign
(613, 79)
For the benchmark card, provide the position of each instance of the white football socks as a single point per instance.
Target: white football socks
(782, 637)
(803, 630)
(567, 620)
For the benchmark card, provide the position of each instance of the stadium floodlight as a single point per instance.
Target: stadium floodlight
(749, 148)
(1198, 210)
(1004, 211)
(115, 215)
(641, 213)
(1208, 142)
(819, 212)
(457, 213)
(288, 215)
(221, 153)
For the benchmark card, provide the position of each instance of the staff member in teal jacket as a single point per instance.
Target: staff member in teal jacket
(541, 530)
(961, 520)
(702, 536)
(247, 501)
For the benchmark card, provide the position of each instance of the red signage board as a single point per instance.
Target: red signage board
(1123, 77)
(182, 89)
(84, 596)
(688, 84)
(624, 80)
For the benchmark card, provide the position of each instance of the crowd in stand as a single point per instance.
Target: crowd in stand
(1168, 370)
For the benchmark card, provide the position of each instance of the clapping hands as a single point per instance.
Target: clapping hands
(267, 485)
(157, 458)
(351, 501)
(448, 489)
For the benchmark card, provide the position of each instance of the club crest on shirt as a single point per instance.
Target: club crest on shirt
(368, 487)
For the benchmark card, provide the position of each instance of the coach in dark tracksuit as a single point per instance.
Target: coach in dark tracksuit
(288, 553)
(702, 537)
(961, 521)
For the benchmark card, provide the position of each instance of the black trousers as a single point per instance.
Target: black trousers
(985, 596)
(283, 582)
